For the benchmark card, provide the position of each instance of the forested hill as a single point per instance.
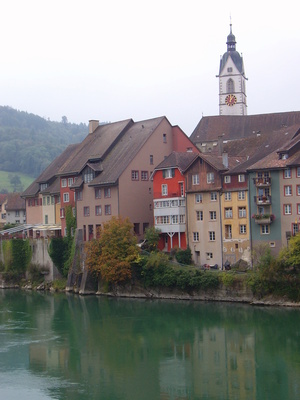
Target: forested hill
(28, 143)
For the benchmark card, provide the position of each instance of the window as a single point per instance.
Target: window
(44, 200)
(287, 209)
(86, 211)
(242, 212)
(288, 190)
(212, 236)
(230, 85)
(97, 193)
(107, 209)
(62, 213)
(66, 198)
(228, 212)
(227, 196)
(243, 229)
(164, 138)
(134, 175)
(78, 195)
(144, 175)
(213, 196)
(210, 177)
(195, 179)
(182, 219)
(174, 219)
(107, 193)
(199, 215)
(164, 190)
(298, 172)
(298, 190)
(17, 213)
(213, 215)
(98, 210)
(151, 159)
(136, 228)
(229, 69)
(63, 183)
(46, 219)
(195, 236)
(198, 198)
(298, 209)
(88, 175)
(227, 179)
(169, 173)
(241, 178)
(70, 181)
(287, 173)
(228, 232)
(295, 229)
(209, 256)
(265, 229)
(48, 200)
(241, 195)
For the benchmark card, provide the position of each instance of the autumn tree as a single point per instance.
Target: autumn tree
(111, 255)
(290, 256)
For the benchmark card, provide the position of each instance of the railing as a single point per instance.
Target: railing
(262, 200)
(262, 181)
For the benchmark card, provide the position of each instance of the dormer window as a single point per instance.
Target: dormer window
(169, 173)
(43, 186)
(285, 156)
(88, 175)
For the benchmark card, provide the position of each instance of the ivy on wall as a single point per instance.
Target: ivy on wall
(17, 254)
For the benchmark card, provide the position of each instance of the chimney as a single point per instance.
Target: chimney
(93, 125)
(220, 144)
(225, 159)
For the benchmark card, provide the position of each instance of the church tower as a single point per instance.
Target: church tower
(232, 81)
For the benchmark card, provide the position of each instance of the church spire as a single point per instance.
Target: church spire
(231, 39)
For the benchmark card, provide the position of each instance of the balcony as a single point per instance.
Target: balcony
(263, 219)
(263, 200)
(262, 182)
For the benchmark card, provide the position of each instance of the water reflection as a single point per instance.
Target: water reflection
(101, 348)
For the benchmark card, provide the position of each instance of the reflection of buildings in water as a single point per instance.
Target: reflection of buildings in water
(46, 357)
(218, 364)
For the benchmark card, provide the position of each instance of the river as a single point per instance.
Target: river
(63, 346)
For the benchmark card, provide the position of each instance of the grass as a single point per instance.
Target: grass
(5, 176)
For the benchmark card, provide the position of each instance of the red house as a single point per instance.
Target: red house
(169, 199)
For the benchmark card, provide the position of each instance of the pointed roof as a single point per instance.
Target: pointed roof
(15, 202)
(180, 160)
(232, 53)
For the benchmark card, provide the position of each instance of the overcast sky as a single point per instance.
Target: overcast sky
(117, 59)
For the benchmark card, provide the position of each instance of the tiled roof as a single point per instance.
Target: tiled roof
(181, 160)
(3, 198)
(125, 150)
(15, 202)
(237, 127)
(94, 147)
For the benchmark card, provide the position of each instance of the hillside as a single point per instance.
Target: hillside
(28, 143)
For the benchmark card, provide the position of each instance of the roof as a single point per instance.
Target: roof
(50, 172)
(3, 198)
(15, 202)
(181, 160)
(125, 150)
(232, 127)
(94, 147)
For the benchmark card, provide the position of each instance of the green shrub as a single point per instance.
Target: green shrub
(228, 279)
(184, 256)
(59, 284)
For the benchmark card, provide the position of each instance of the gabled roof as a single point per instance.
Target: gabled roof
(180, 160)
(3, 198)
(48, 175)
(125, 149)
(15, 202)
(95, 146)
(232, 127)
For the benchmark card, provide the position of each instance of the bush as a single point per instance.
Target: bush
(184, 256)
(228, 279)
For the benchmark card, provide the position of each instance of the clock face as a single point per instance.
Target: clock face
(230, 99)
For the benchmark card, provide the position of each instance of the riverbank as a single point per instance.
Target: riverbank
(238, 294)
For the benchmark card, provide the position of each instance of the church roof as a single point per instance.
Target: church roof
(232, 53)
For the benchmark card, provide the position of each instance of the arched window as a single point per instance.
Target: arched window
(230, 86)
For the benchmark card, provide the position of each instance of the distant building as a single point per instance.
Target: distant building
(15, 209)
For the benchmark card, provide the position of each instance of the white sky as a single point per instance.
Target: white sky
(117, 59)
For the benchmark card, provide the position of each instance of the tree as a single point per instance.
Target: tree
(112, 255)
(152, 237)
(290, 256)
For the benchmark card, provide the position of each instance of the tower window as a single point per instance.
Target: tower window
(230, 86)
(229, 69)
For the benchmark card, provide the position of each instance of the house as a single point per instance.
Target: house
(3, 202)
(169, 199)
(15, 209)
(108, 174)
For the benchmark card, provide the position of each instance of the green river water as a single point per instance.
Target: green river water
(63, 346)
